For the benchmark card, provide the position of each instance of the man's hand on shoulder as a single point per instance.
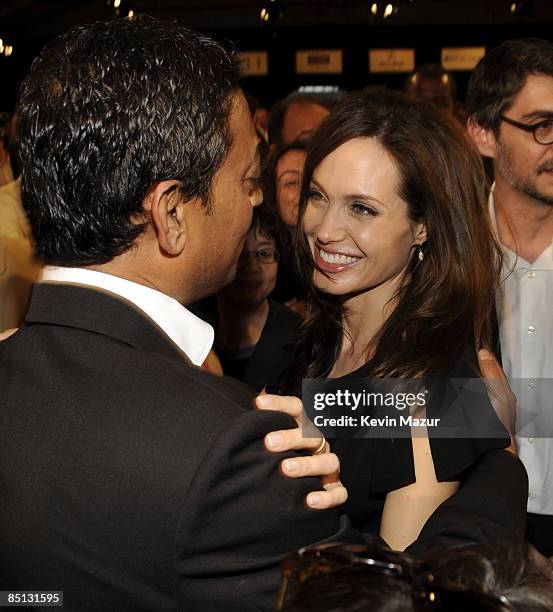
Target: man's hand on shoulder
(323, 463)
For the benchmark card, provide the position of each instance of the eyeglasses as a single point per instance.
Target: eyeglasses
(542, 131)
(264, 256)
(328, 564)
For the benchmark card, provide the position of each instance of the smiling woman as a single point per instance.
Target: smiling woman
(397, 250)
(358, 227)
(393, 208)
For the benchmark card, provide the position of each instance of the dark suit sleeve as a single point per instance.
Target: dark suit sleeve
(245, 516)
(489, 507)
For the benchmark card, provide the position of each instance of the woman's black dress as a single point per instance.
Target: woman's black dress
(372, 467)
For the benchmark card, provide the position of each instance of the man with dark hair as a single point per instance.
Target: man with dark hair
(297, 115)
(131, 479)
(510, 101)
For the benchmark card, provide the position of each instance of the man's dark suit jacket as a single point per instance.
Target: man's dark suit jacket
(132, 480)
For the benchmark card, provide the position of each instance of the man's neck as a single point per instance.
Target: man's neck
(133, 267)
(524, 224)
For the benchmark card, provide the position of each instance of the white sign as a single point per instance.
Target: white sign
(254, 63)
(391, 60)
(461, 58)
(323, 61)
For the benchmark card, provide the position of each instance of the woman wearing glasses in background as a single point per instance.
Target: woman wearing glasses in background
(398, 251)
(253, 333)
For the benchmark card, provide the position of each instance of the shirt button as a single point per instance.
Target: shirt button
(531, 274)
(531, 385)
(531, 329)
(530, 440)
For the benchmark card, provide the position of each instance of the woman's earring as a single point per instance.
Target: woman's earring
(420, 252)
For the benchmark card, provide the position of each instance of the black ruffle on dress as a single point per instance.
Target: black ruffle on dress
(370, 467)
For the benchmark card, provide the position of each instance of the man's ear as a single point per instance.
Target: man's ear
(483, 138)
(166, 209)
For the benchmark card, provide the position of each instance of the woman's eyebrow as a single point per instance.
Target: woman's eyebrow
(353, 196)
(289, 172)
(363, 196)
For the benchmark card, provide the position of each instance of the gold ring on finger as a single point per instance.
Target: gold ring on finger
(321, 448)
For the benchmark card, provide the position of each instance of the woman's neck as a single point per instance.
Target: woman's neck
(364, 316)
(238, 327)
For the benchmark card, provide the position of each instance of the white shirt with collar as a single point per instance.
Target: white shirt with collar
(525, 312)
(192, 336)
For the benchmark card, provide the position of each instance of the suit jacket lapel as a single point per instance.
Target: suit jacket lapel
(100, 312)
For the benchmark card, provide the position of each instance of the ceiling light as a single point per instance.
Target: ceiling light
(520, 7)
(271, 13)
(383, 10)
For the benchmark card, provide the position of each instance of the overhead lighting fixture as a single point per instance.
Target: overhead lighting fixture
(383, 10)
(6, 49)
(519, 8)
(271, 13)
(119, 7)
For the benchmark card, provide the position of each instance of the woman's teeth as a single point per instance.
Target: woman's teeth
(335, 258)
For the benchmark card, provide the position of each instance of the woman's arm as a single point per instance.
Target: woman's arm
(406, 510)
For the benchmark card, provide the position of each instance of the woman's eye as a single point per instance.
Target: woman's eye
(315, 195)
(362, 209)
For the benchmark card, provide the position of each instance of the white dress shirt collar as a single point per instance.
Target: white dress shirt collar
(192, 335)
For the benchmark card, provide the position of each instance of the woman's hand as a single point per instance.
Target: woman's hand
(502, 398)
(326, 464)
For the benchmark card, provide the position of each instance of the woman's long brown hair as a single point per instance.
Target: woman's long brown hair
(447, 299)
